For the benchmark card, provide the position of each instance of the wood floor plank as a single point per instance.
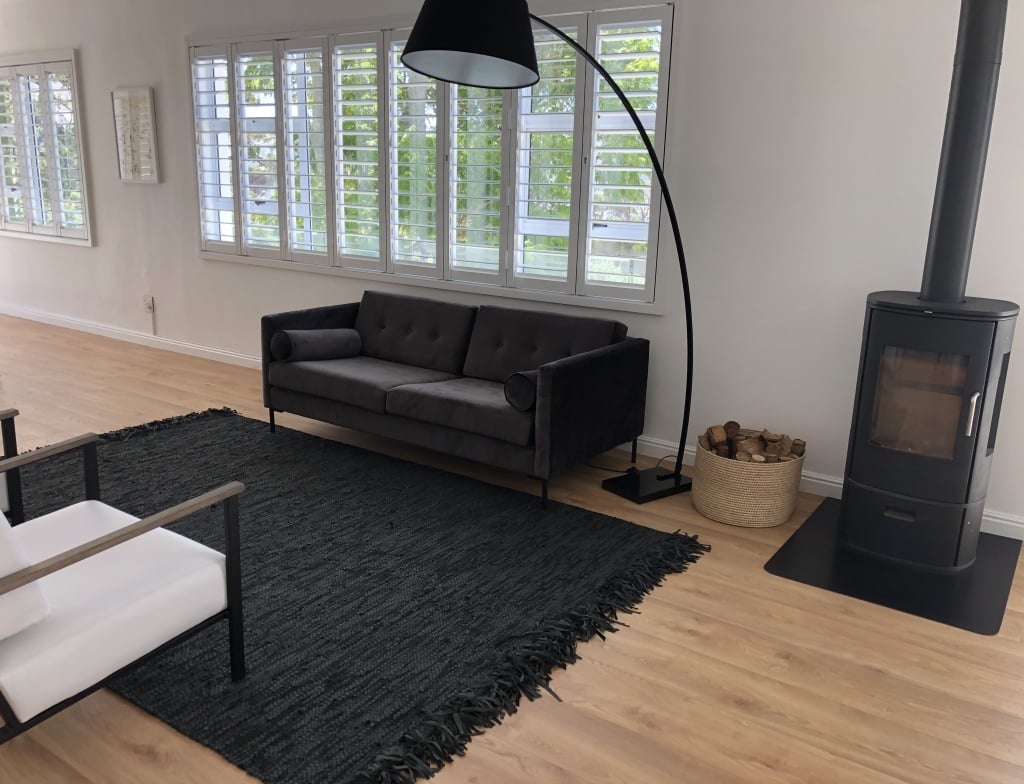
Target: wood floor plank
(728, 674)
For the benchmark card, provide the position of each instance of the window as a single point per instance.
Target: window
(328, 151)
(42, 179)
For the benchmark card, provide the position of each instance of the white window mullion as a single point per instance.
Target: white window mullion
(510, 125)
(384, 151)
(327, 75)
(284, 233)
(585, 138)
(236, 170)
(444, 166)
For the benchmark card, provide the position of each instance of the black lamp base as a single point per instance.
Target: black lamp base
(648, 485)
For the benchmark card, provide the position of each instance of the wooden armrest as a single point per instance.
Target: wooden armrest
(47, 451)
(50, 565)
(8, 413)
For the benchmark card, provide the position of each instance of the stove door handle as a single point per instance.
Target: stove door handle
(970, 414)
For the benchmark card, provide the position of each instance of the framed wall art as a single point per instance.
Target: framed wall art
(135, 133)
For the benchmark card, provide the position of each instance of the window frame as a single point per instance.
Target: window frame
(575, 289)
(35, 64)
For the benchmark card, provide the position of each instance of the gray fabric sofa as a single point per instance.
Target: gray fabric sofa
(433, 374)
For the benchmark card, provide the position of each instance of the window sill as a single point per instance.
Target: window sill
(25, 235)
(487, 289)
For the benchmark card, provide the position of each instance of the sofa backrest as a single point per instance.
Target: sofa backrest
(508, 340)
(414, 330)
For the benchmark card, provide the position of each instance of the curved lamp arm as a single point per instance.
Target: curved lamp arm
(669, 207)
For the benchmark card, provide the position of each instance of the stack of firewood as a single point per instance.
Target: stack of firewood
(750, 446)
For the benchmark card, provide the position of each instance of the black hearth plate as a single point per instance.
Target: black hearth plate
(974, 599)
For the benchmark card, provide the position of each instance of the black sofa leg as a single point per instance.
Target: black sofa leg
(632, 454)
(273, 427)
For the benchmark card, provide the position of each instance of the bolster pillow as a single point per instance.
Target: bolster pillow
(521, 390)
(296, 345)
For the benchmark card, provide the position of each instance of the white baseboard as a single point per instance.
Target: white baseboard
(1000, 523)
(992, 521)
(132, 336)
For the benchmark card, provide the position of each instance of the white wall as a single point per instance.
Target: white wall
(804, 146)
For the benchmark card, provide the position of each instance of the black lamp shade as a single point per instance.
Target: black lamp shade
(480, 43)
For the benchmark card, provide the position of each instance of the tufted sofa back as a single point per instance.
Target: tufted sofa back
(508, 340)
(415, 331)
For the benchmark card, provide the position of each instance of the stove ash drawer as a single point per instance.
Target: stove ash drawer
(911, 530)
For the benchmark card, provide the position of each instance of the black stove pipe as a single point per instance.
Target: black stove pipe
(972, 98)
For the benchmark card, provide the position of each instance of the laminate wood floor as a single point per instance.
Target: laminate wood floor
(727, 675)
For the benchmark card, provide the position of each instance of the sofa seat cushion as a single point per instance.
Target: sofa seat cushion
(358, 381)
(108, 610)
(470, 404)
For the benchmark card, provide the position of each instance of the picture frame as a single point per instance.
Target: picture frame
(135, 135)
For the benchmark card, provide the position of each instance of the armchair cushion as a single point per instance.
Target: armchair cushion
(296, 345)
(24, 606)
(108, 610)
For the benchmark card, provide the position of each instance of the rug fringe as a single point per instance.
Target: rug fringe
(444, 732)
(160, 424)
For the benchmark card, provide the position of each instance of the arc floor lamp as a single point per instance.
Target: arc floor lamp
(491, 45)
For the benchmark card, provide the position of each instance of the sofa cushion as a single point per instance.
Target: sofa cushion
(521, 390)
(108, 610)
(27, 605)
(508, 340)
(358, 381)
(297, 345)
(415, 331)
(470, 404)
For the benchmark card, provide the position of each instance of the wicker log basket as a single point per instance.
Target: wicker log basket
(751, 495)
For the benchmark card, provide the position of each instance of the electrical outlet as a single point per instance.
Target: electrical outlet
(148, 303)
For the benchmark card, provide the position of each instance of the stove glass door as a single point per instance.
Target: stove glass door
(918, 401)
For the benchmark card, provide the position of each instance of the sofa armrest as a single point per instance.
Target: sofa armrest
(589, 403)
(327, 317)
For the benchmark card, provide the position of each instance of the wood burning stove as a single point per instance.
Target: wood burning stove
(933, 364)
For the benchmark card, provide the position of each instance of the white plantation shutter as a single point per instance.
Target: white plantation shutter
(357, 144)
(547, 171)
(259, 158)
(12, 183)
(306, 165)
(416, 121)
(328, 151)
(67, 174)
(475, 184)
(620, 225)
(42, 184)
(212, 105)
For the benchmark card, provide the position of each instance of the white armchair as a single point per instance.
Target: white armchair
(88, 591)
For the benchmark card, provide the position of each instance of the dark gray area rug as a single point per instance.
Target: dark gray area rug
(392, 610)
